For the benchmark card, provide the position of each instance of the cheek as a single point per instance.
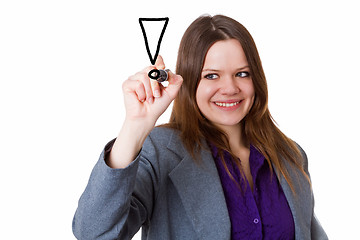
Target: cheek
(250, 92)
(198, 94)
(204, 93)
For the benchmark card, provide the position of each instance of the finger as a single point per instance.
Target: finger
(140, 92)
(175, 82)
(159, 64)
(144, 79)
(155, 88)
(144, 71)
(134, 88)
(174, 79)
(147, 69)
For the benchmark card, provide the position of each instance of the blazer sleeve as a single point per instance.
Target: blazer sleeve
(317, 231)
(110, 207)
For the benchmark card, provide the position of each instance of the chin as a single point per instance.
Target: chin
(227, 124)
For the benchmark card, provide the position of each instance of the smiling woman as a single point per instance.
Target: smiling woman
(220, 169)
(225, 93)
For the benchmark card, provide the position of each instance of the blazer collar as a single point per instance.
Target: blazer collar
(201, 193)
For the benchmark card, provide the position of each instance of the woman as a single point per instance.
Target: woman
(220, 169)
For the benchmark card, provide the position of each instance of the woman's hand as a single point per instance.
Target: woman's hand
(145, 100)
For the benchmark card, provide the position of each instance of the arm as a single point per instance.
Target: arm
(104, 206)
(109, 208)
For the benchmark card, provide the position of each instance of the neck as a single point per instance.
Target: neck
(236, 139)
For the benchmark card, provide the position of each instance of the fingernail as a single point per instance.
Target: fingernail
(156, 93)
(151, 100)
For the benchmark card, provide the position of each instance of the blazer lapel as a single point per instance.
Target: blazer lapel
(299, 203)
(201, 193)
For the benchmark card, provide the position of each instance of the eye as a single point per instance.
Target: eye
(243, 74)
(211, 76)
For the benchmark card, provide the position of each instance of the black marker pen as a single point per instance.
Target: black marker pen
(159, 74)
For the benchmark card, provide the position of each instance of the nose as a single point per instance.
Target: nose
(229, 86)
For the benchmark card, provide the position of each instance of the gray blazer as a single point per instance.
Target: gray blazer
(171, 197)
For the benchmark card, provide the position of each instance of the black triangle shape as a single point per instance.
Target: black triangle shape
(153, 59)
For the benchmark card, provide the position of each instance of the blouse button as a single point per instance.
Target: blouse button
(256, 221)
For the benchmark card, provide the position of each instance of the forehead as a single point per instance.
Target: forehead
(225, 54)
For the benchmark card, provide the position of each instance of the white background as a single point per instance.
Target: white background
(62, 64)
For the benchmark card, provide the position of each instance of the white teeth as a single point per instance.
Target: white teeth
(226, 104)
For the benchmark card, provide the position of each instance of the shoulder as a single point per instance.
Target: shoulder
(165, 137)
(304, 158)
(162, 140)
(164, 134)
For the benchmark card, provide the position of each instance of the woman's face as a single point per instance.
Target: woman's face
(225, 93)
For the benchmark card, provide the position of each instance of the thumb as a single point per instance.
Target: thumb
(175, 82)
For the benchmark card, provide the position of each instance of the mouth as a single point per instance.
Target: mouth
(227, 104)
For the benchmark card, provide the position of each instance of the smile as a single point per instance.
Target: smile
(222, 104)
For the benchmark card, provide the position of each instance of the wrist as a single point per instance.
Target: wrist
(135, 131)
(128, 143)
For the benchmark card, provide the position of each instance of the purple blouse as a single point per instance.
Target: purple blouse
(260, 214)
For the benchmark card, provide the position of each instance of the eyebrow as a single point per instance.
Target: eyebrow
(215, 70)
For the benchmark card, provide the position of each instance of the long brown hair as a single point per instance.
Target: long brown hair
(258, 127)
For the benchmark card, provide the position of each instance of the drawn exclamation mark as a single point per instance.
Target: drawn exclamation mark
(141, 20)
